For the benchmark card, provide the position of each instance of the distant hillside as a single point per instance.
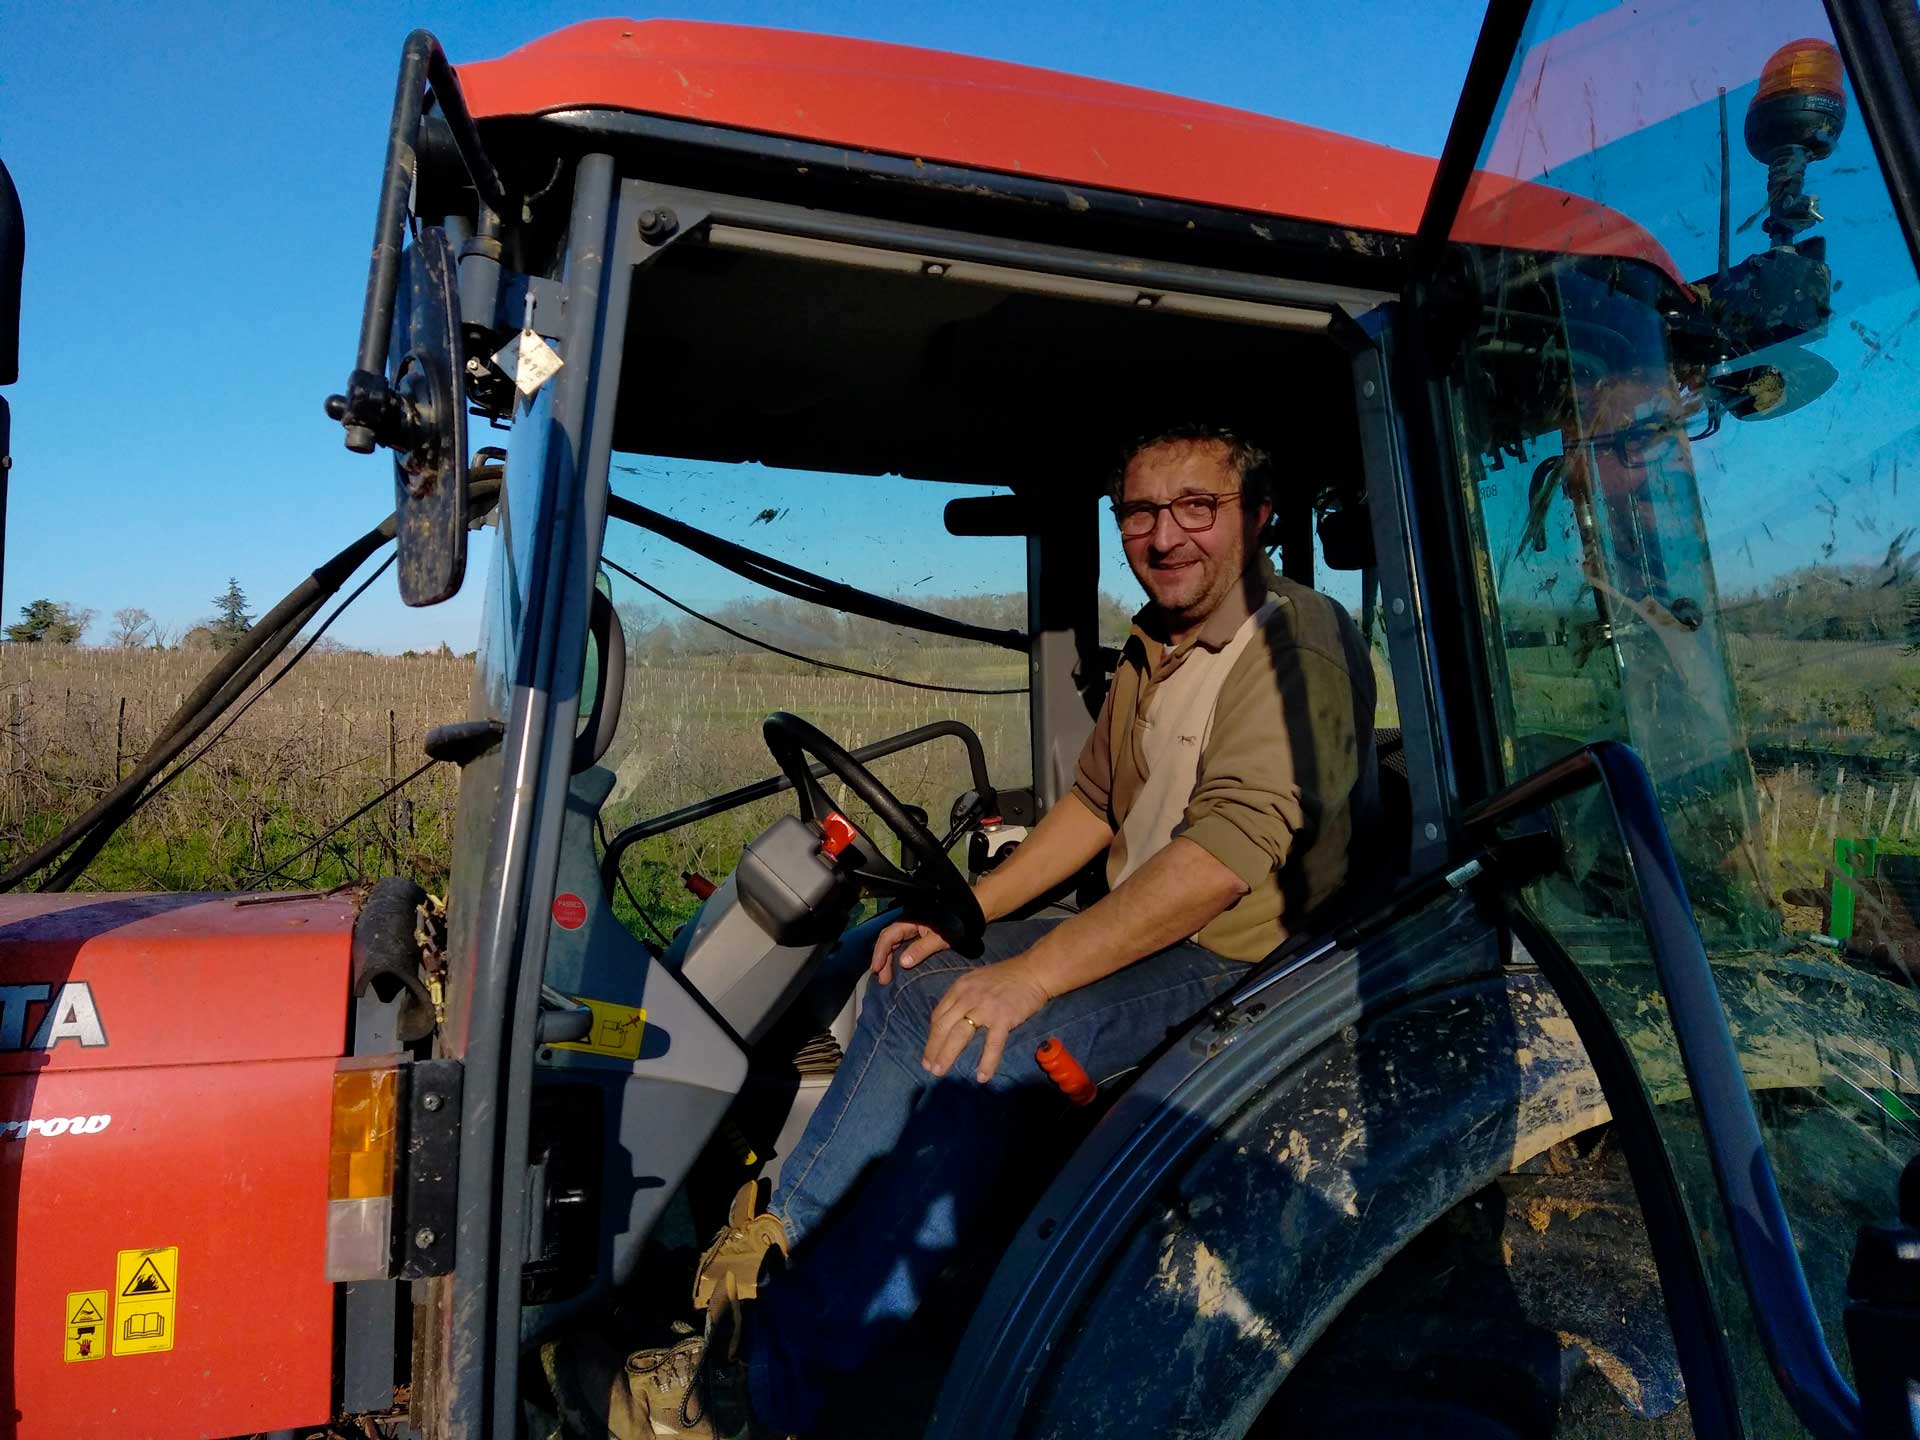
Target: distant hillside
(1833, 602)
(1821, 602)
(657, 632)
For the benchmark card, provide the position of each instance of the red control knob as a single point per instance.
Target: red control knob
(1065, 1071)
(839, 834)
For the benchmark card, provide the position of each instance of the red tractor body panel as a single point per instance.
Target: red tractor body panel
(1021, 120)
(166, 1067)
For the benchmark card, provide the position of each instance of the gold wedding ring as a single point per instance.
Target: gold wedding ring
(971, 1021)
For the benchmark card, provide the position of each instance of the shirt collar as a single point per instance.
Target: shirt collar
(1256, 583)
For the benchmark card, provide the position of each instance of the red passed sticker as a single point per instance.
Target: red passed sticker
(569, 912)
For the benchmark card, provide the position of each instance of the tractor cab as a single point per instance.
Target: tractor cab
(875, 358)
(785, 378)
(853, 598)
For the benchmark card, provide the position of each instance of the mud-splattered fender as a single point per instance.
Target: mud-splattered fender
(1231, 1204)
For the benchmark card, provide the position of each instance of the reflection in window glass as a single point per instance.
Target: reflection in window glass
(1685, 476)
(696, 694)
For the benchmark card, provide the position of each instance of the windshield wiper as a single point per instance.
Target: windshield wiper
(804, 584)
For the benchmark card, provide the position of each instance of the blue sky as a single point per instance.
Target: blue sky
(199, 187)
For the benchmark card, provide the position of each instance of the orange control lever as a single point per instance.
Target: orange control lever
(1065, 1071)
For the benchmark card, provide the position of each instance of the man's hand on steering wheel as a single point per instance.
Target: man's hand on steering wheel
(993, 998)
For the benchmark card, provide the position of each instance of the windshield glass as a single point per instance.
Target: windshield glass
(696, 694)
(1684, 476)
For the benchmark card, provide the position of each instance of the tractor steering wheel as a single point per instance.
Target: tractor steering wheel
(932, 889)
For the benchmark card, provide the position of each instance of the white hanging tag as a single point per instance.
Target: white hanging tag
(529, 361)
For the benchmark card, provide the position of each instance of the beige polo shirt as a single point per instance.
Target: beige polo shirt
(1254, 740)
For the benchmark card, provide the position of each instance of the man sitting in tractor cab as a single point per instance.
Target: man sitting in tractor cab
(1227, 777)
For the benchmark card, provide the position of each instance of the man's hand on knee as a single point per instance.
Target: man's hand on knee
(994, 1000)
(905, 943)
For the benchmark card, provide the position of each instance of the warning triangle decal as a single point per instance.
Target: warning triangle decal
(87, 1314)
(146, 1281)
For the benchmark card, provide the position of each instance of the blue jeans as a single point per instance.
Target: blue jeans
(898, 1171)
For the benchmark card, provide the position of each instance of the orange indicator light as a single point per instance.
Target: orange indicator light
(1802, 67)
(361, 1155)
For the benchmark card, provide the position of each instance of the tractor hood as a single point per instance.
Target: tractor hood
(92, 982)
(167, 1069)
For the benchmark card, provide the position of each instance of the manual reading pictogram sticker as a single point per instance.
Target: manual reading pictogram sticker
(617, 1030)
(86, 1325)
(146, 1283)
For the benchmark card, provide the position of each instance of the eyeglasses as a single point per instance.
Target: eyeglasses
(1192, 513)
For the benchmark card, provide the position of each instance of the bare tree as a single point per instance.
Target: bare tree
(133, 629)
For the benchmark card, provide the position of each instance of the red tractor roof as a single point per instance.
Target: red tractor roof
(989, 115)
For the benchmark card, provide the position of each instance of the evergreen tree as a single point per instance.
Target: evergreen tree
(230, 617)
(50, 622)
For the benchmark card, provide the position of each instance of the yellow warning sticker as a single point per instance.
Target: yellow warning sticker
(86, 1325)
(617, 1030)
(146, 1283)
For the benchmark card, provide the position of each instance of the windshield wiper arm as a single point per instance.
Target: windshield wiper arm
(804, 584)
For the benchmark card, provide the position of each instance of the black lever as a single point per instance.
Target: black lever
(464, 741)
(1883, 1318)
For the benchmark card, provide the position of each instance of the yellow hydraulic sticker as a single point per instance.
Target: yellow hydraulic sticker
(146, 1283)
(86, 1325)
(617, 1030)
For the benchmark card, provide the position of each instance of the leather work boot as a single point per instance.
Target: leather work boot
(651, 1394)
(696, 1387)
(592, 1391)
(666, 1384)
(730, 1269)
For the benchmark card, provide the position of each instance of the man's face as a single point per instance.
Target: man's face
(1187, 573)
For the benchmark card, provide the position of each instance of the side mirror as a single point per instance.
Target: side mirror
(407, 391)
(990, 515)
(13, 255)
(430, 459)
(418, 410)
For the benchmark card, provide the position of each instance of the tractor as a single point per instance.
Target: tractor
(1566, 1118)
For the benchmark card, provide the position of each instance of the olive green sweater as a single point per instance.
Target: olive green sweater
(1270, 709)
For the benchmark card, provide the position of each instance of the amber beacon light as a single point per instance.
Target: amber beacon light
(1796, 115)
(1801, 102)
(1802, 67)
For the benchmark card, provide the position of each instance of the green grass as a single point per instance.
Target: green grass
(319, 746)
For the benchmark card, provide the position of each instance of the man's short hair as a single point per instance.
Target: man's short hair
(1251, 465)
